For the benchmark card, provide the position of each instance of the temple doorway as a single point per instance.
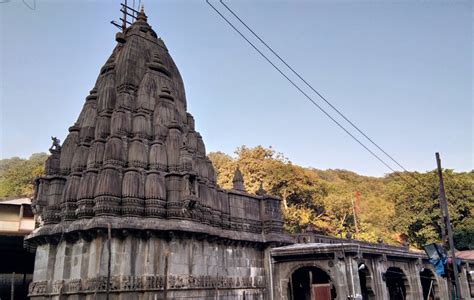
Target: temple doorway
(311, 283)
(396, 282)
(365, 283)
(429, 284)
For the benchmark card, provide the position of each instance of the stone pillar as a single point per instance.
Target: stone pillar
(339, 278)
(413, 275)
(62, 268)
(43, 274)
(44, 262)
(272, 282)
(353, 279)
(379, 265)
(443, 288)
(465, 292)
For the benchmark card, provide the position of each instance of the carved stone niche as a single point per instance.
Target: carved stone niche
(126, 96)
(155, 195)
(173, 145)
(189, 197)
(133, 204)
(138, 154)
(102, 128)
(185, 159)
(141, 126)
(51, 213)
(114, 153)
(158, 156)
(96, 154)
(85, 202)
(106, 91)
(121, 123)
(68, 149)
(69, 204)
(87, 122)
(108, 192)
(79, 161)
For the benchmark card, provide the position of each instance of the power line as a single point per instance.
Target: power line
(30, 7)
(305, 94)
(314, 90)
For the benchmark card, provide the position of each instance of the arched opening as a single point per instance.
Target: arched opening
(397, 283)
(311, 283)
(366, 283)
(429, 284)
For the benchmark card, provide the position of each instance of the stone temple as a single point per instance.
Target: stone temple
(134, 161)
(129, 208)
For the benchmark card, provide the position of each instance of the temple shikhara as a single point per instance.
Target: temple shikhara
(129, 208)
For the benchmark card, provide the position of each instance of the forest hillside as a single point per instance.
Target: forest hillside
(396, 207)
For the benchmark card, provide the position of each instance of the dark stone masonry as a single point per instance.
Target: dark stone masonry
(134, 166)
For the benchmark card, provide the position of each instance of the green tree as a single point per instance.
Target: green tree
(417, 211)
(17, 175)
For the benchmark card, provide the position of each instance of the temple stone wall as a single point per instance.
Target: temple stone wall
(142, 267)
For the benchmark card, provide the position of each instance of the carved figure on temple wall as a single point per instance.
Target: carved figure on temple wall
(56, 144)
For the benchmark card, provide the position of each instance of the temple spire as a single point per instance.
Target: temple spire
(141, 15)
(238, 180)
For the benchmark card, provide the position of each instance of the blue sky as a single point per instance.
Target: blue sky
(400, 70)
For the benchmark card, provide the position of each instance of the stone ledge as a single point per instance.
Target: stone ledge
(150, 224)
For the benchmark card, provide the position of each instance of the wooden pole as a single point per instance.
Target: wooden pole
(355, 214)
(447, 224)
(109, 261)
(165, 288)
(13, 287)
(429, 290)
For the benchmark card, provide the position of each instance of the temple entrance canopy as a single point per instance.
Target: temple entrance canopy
(311, 283)
(397, 283)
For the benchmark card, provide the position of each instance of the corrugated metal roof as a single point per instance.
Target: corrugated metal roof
(18, 201)
(467, 254)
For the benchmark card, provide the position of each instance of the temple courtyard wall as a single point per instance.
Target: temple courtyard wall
(359, 270)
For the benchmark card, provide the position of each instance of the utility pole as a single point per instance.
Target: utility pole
(447, 227)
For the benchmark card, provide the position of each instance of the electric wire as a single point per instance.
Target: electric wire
(29, 6)
(307, 96)
(314, 90)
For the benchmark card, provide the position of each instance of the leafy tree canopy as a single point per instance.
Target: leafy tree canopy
(330, 202)
(17, 175)
(334, 202)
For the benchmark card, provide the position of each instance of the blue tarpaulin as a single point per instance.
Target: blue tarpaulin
(439, 265)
